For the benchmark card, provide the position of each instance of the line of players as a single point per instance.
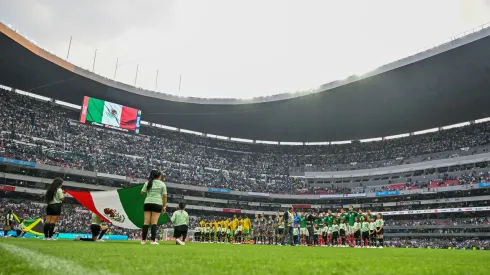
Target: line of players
(352, 228)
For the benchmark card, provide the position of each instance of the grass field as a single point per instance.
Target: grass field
(32, 256)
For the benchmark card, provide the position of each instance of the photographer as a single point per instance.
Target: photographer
(310, 220)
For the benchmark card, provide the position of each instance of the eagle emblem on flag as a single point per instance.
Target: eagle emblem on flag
(113, 215)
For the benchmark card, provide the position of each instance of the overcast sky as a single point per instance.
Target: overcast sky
(228, 48)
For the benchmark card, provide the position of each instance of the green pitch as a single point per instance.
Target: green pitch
(30, 256)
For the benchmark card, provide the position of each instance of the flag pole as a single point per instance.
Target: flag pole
(95, 56)
(136, 77)
(69, 47)
(180, 81)
(115, 70)
(156, 81)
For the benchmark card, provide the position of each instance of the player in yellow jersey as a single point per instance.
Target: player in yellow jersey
(246, 229)
(215, 230)
(225, 223)
(234, 225)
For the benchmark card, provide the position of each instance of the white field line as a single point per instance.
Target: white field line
(49, 263)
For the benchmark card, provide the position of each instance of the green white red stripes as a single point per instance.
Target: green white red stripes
(121, 207)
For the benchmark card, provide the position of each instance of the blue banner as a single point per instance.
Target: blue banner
(218, 190)
(388, 193)
(72, 236)
(484, 184)
(17, 162)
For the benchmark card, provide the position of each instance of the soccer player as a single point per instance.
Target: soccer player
(372, 233)
(369, 215)
(364, 233)
(330, 219)
(361, 215)
(280, 229)
(342, 215)
(180, 219)
(54, 197)
(351, 218)
(335, 232)
(380, 229)
(270, 230)
(238, 233)
(98, 230)
(303, 231)
(234, 225)
(155, 204)
(263, 228)
(223, 233)
(246, 229)
(255, 227)
(215, 228)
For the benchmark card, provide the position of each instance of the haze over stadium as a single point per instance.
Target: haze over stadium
(268, 137)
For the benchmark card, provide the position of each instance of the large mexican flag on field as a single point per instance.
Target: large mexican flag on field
(121, 207)
(109, 113)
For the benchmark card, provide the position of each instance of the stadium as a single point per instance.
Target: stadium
(422, 164)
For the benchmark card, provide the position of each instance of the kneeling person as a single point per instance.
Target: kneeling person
(180, 219)
(97, 228)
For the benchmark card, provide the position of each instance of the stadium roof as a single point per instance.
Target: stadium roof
(445, 85)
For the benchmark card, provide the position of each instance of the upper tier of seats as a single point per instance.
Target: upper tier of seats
(45, 132)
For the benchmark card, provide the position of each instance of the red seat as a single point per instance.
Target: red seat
(433, 183)
(397, 186)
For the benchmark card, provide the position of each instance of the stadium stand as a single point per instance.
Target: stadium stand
(49, 136)
(46, 133)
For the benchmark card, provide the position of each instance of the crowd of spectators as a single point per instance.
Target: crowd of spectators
(454, 222)
(440, 243)
(44, 132)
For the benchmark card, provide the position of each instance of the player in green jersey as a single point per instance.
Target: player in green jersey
(330, 218)
(351, 219)
(303, 231)
(361, 215)
(343, 215)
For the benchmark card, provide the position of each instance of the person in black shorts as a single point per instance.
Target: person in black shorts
(180, 219)
(9, 223)
(155, 204)
(54, 197)
(97, 228)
